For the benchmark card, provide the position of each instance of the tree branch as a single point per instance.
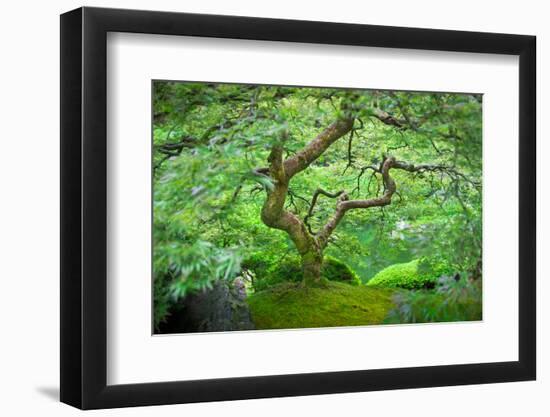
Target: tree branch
(316, 195)
(344, 204)
(273, 213)
(450, 171)
(302, 159)
(388, 119)
(350, 143)
(361, 173)
(390, 189)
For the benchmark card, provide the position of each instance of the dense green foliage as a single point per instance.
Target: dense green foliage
(335, 270)
(417, 274)
(211, 148)
(452, 301)
(404, 275)
(290, 270)
(290, 306)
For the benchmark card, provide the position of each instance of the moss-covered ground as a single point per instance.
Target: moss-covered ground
(291, 305)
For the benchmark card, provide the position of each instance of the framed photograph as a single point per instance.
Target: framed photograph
(257, 208)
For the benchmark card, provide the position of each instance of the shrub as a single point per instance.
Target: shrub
(336, 270)
(416, 274)
(452, 300)
(257, 263)
(435, 266)
(186, 268)
(162, 302)
(290, 270)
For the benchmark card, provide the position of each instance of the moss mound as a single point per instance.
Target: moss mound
(290, 270)
(289, 306)
(399, 275)
(335, 270)
(416, 274)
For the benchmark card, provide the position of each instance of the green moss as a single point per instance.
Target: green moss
(419, 273)
(290, 270)
(290, 305)
(335, 270)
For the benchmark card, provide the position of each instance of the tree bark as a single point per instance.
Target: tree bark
(281, 172)
(310, 245)
(274, 214)
(312, 262)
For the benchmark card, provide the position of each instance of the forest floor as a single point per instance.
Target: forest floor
(288, 306)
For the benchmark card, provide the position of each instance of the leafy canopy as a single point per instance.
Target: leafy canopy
(211, 139)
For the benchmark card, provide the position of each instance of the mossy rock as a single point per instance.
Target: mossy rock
(221, 308)
(334, 304)
(416, 274)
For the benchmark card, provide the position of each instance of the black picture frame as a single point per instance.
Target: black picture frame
(84, 207)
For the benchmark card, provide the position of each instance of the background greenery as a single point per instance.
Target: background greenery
(209, 141)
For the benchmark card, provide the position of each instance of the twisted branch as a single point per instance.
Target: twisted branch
(316, 194)
(344, 204)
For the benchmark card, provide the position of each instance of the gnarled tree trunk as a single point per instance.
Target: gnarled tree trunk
(310, 245)
(281, 172)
